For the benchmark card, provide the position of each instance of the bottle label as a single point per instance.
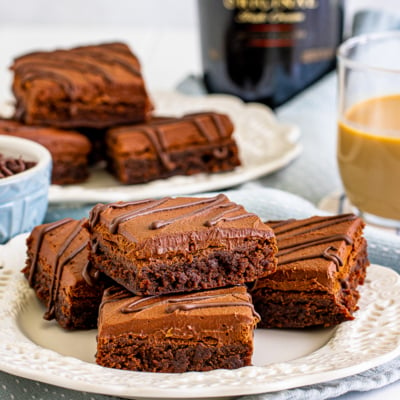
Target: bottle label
(270, 11)
(271, 23)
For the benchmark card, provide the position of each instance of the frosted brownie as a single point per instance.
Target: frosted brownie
(321, 262)
(90, 86)
(176, 333)
(69, 149)
(58, 269)
(165, 147)
(180, 244)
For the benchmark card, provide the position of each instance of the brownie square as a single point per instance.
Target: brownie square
(321, 262)
(166, 147)
(180, 244)
(69, 149)
(199, 331)
(58, 269)
(95, 86)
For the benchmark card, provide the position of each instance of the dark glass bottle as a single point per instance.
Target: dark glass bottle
(268, 50)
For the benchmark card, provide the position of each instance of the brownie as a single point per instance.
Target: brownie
(166, 147)
(180, 244)
(321, 262)
(69, 149)
(95, 86)
(58, 269)
(198, 331)
(97, 156)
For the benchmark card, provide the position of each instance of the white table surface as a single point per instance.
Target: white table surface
(167, 57)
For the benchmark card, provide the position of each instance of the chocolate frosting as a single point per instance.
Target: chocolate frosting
(180, 315)
(176, 223)
(294, 247)
(64, 254)
(307, 226)
(313, 252)
(58, 65)
(62, 144)
(41, 231)
(285, 229)
(183, 303)
(58, 267)
(166, 135)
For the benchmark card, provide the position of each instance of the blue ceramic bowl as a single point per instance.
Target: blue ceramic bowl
(23, 196)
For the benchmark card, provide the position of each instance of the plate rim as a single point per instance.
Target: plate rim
(16, 281)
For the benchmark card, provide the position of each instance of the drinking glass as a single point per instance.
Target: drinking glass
(368, 146)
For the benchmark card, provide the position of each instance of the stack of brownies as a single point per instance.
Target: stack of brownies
(172, 284)
(179, 284)
(175, 270)
(90, 103)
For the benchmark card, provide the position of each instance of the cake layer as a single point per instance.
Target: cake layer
(165, 147)
(90, 86)
(321, 262)
(180, 244)
(299, 309)
(69, 149)
(176, 333)
(58, 269)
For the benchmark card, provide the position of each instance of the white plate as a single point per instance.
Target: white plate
(33, 348)
(265, 145)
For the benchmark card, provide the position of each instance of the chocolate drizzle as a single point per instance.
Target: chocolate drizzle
(114, 293)
(195, 306)
(41, 232)
(277, 224)
(155, 134)
(64, 62)
(59, 267)
(289, 248)
(88, 60)
(91, 278)
(148, 208)
(184, 303)
(58, 264)
(216, 119)
(208, 204)
(57, 77)
(94, 214)
(288, 251)
(112, 58)
(154, 206)
(222, 216)
(326, 222)
(332, 256)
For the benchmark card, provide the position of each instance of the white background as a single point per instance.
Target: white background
(135, 13)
